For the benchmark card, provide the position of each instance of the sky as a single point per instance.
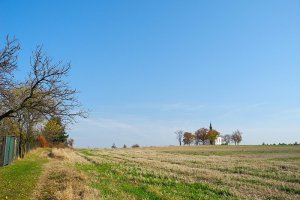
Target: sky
(145, 69)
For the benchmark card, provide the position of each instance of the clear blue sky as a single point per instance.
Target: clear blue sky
(147, 68)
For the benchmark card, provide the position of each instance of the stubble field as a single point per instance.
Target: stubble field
(196, 172)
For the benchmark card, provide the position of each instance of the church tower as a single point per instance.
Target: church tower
(210, 127)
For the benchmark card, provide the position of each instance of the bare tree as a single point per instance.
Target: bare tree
(179, 135)
(8, 63)
(201, 135)
(42, 95)
(44, 91)
(227, 139)
(236, 137)
(27, 121)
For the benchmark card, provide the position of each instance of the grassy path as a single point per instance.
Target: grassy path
(42, 177)
(61, 181)
(19, 180)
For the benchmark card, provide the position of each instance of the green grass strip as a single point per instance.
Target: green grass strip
(18, 180)
(117, 181)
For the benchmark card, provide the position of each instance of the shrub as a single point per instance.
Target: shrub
(70, 142)
(42, 141)
(135, 146)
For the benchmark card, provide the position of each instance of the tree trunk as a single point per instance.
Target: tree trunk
(20, 146)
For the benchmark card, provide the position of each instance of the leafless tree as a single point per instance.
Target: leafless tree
(43, 94)
(8, 63)
(201, 135)
(179, 135)
(236, 137)
(44, 91)
(227, 139)
(27, 121)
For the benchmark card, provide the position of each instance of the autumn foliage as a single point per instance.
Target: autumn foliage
(201, 135)
(42, 141)
(209, 136)
(188, 138)
(212, 136)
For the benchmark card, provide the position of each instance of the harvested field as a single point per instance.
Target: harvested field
(197, 172)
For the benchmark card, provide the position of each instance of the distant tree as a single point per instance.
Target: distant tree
(179, 135)
(124, 146)
(263, 143)
(135, 146)
(201, 135)
(54, 131)
(188, 138)
(236, 137)
(70, 142)
(113, 146)
(227, 139)
(212, 136)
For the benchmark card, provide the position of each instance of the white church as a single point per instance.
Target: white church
(219, 139)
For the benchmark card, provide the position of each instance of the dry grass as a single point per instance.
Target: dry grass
(67, 155)
(247, 172)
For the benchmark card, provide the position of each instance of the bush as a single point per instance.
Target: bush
(135, 146)
(70, 142)
(42, 141)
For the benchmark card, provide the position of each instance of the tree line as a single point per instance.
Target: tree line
(280, 144)
(125, 146)
(204, 136)
(39, 106)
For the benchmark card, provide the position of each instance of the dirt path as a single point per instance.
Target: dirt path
(60, 180)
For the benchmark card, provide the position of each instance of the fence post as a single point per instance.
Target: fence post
(1, 150)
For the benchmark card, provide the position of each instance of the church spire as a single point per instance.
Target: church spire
(210, 127)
